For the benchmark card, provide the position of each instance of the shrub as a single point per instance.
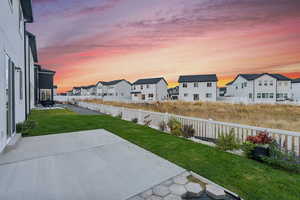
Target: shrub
(163, 126)
(282, 159)
(147, 121)
(25, 127)
(175, 127)
(188, 131)
(247, 148)
(227, 142)
(261, 138)
(135, 120)
(120, 115)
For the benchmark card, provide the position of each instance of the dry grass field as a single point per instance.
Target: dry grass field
(285, 117)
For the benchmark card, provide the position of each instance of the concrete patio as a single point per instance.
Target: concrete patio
(86, 165)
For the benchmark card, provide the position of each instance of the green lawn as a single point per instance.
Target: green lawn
(250, 179)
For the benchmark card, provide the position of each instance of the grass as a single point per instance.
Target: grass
(286, 117)
(250, 179)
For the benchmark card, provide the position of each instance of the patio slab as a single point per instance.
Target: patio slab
(83, 165)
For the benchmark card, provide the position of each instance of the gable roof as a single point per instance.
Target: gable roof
(230, 83)
(114, 82)
(198, 78)
(32, 43)
(297, 80)
(251, 77)
(149, 81)
(27, 10)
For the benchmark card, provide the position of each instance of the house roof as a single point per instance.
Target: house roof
(46, 70)
(198, 78)
(230, 83)
(251, 77)
(297, 80)
(114, 82)
(149, 81)
(27, 10)
(32, 43)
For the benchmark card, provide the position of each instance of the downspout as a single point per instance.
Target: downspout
(25, 70)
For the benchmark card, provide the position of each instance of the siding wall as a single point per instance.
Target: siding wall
(201, 90)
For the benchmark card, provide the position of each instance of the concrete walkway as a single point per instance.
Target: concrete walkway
(88, 165)
(79, 110)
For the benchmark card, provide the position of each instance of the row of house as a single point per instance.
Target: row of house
(247, 88)
(23, 83)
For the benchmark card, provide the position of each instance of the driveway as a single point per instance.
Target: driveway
(88, 165)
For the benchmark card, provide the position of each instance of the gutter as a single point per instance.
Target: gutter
(25, 71)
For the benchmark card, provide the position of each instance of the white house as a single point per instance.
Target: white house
(260, 88)
(76, 91)
(149, 89)
(296, 89)
(198, 87)
(173, 93)
(117, 90)
(91, 90)
(14, 67)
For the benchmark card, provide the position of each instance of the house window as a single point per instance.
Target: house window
(122, 94)
(196, 84)
(258, 95)
(271, 95)
(135, 95)
(196, 97)
(209, 84)
(266, 83)
(186, 94)
(142, 87)
(184, 85)
(45, 94)
(245, 84)
(116, 94)
(285, 95)
(147, 86)
(279, 83)
(286, 83)
(208, 95)
(250, 95)
(236, 87)
(260, 83)
(271, 83)
(150, 95)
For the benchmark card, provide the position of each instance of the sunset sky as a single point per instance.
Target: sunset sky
(86, 41)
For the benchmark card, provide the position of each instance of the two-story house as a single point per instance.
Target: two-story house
(198, 87)
(261, 88)
(116, 90)
(149, 89)
(76, 91)
(173, 93)
(91, 90)
(296, 89)
(16, 60)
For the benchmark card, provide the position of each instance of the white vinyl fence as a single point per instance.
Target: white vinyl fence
(203, 128)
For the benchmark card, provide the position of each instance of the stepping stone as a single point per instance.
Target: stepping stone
(161, 191)
(215, 192)
(147, 194)
(180, 180)
(153, 197)
(178, 189)
(167, 183)
(136, 198)
(194, 190)
(172, 197)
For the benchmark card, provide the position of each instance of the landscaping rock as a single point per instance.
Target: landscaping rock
(215, 192)
(161, 191)
(146, 194)
(178, 189)
(172, 197)
(180, 180)
(193, 190)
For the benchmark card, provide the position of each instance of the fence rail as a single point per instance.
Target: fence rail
(288, 140)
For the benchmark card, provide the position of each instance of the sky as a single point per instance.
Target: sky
(86, 41)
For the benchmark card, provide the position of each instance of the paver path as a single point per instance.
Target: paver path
(87, 165)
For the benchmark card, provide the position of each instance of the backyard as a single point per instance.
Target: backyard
(286, 117)
(250, 179)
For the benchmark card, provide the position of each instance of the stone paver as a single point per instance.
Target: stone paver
(178, 189)
(215, 192)
(172, 197)
(167, 183)
(194, 189)
(153, 197)
(147, 194)
(161, 191)
(180, 180)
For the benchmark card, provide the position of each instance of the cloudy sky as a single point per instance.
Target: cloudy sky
(86, 41)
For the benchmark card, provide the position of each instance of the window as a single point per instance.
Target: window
(135, 95)
(209, 84)
(184, 85)
(263, 95)
(186, 94)
(208, 95)
(258, 95)
(279, 83)
(271, 83)
(122, 94)
(196, 84)
(236, 87)
(286, 83)
(266, 83)
(196, 97)
(45, 94)
(245, 84)
(260, 83)
(285, 95)
(116, 94)
(147, 86)
(250, 95)
(271, 95)
(150, 95)
(142, 87)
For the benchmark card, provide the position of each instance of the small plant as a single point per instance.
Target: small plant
(175, 127)
(25, 127)
(163, 126)
(188, 131)
(227, 142)
(147, 121)
(247, 148)
(261, 138)
(120, 115)
(135, 120)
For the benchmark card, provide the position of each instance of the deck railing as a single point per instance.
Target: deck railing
(211, 129)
